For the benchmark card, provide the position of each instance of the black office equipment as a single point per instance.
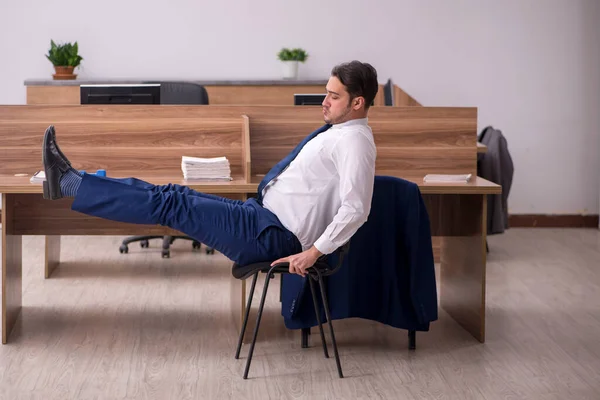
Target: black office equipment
(120, 93)
(308, 99)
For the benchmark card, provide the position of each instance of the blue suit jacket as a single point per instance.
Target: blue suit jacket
(388, 274)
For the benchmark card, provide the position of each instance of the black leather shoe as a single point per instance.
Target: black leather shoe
(55, 167)
(53, 138)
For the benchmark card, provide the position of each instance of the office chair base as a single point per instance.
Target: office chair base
(166, 245)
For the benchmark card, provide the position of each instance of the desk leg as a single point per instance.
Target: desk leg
(463, 259)
(52, 254)
(12, 271)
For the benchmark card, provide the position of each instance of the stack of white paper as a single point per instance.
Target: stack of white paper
(431, 178)
(208, 169)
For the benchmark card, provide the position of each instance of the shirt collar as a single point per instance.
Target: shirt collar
(352, 122)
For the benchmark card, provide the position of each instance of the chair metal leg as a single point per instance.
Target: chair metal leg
(304, 338)
(326, 306)
(165, 252)
(412, 340)
(258, 318)
(281, 288)
(314, 297)
(245, 323)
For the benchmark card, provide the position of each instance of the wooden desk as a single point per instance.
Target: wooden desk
(125, 140)
(25, 212)
(457, 213)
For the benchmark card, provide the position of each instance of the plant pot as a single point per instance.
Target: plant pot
(64, 73)
(290, 69)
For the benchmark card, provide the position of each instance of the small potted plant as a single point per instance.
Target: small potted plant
(290, 59)
(65, 57)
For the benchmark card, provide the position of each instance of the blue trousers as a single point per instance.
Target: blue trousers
(245, 232)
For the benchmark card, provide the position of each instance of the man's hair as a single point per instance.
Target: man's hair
(360, 79)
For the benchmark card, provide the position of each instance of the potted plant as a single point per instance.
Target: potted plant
(65, 57)
(290, 59)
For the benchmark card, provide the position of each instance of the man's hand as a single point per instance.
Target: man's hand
(300, 262)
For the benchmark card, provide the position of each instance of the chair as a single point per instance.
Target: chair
(496, 165)
(389, 276)
(388, 93)
(317, 272)
(173, 93)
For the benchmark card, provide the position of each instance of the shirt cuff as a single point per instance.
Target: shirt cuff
(325, 246)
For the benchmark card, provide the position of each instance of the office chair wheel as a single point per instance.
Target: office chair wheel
(123, 249)
(144, 244)
(195, 244)
(210, 251)
(166, 253)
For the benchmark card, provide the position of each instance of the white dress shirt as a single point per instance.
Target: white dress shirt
(325, 194)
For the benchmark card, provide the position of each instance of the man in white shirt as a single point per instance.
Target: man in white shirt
(309, 204)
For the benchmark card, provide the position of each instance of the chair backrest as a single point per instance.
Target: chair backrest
(388, 93)
(341, 252)
(182, 93)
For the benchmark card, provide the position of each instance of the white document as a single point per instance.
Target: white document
(209, 169)
(443, 178)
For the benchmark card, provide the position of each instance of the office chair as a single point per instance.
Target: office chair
(496, 166)
(173, 93)
(388, 93)
(317, 272)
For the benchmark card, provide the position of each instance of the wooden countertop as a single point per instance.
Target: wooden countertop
(21, 184)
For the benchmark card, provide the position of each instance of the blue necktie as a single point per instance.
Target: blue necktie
(282, 165)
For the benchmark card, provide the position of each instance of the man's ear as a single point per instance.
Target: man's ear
(357, 102)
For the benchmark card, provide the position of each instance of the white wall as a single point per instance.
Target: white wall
(531, 67)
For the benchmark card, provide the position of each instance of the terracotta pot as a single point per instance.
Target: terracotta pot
(64, 73)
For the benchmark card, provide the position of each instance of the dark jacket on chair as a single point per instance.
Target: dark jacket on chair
(388, 275)
(496, 166)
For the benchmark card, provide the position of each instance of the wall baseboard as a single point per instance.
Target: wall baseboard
(552, 221)
(536, 221)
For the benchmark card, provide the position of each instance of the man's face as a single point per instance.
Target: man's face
(336, 106)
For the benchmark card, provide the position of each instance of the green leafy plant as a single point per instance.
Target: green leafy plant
(286, 54)
(64, 55)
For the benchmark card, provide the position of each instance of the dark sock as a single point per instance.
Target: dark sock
(69, 183)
